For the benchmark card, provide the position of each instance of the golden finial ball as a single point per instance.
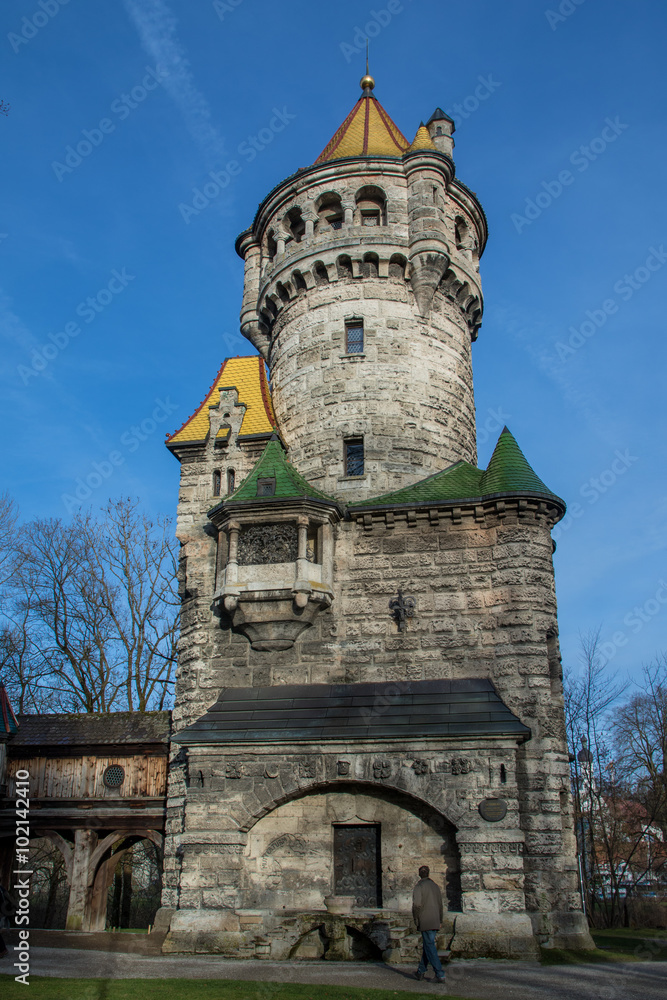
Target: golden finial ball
(367, 82)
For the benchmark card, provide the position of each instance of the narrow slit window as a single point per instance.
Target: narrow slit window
(217, 483)
(231, 481)
(354, 457)
(354, 337)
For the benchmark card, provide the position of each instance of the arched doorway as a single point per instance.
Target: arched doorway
(349, 839)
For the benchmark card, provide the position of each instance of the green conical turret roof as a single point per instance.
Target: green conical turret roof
(508, 472)
(274, 465)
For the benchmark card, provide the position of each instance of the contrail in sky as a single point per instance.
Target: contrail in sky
(157, 29)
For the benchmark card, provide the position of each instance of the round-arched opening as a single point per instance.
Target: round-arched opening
(349, 839)
(320, 274)
(371, 206)
(370, 265)
(344, 266)
(295, 223)
(397, 265)
(329, 211)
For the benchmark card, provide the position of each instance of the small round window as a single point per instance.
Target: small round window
(113, 776)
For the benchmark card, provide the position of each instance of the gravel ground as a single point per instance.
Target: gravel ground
(478, 979)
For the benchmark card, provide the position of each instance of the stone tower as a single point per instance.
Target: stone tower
(369, 675)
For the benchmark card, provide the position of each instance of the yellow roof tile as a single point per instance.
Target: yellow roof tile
(367, 131)
(422, 140)
(248, 377)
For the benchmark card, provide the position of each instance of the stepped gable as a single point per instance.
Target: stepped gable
(248, 376)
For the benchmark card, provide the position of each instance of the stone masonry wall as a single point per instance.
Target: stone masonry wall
(409, 395)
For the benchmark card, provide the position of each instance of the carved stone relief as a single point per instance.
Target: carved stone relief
(381, 769)
(267, 543)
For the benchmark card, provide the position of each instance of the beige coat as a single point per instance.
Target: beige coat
(427, 905)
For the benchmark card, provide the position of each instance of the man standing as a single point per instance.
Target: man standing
(427, 914)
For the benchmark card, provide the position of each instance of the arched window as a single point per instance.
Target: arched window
(295, 223)
(370, 265)
(217, 482)
(397, 266)
(320, 274)
(330, 211)
(371, 206)
(231, 481)
(344, 266)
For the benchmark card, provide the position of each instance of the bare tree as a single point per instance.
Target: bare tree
(640, 729)
(589, 695)
(93, 617)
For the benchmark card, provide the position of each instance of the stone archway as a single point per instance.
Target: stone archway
(289, 859)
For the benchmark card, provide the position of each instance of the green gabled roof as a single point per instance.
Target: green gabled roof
(508, 472)
(273, 464)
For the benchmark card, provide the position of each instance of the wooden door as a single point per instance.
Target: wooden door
(357, 869)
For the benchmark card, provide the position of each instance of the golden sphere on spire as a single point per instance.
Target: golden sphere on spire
(367, 82)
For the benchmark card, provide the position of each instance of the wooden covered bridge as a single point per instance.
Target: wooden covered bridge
(97, 785)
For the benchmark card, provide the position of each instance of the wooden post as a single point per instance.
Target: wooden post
(78, 910)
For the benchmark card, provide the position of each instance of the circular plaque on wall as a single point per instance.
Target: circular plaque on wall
(493, 810)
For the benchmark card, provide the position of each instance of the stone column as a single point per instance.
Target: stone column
(232, 569)
(310, 220)
(302, 549)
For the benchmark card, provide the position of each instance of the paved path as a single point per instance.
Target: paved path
(478, 979)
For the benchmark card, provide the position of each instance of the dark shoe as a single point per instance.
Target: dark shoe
(419, 975)
(439, 979)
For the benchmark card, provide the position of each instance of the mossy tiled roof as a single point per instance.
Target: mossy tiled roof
(508, 472)
(273, 464)
(248, 376)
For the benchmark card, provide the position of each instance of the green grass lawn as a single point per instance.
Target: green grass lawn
(620, 945)
(42, 988)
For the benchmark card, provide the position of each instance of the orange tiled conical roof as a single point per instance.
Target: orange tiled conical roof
(248, 376)
(367, 131)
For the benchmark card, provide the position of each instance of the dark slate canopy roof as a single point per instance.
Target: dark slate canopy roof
(316, 712)
(80, 731)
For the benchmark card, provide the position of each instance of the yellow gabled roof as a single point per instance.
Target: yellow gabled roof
(422, 140)
(248, 377)
(367, 131)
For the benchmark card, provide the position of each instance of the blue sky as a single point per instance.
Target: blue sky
(117, 305)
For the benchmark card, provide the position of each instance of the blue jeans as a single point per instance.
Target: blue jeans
(430, 954)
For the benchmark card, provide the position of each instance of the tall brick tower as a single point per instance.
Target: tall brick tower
(369, 673)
